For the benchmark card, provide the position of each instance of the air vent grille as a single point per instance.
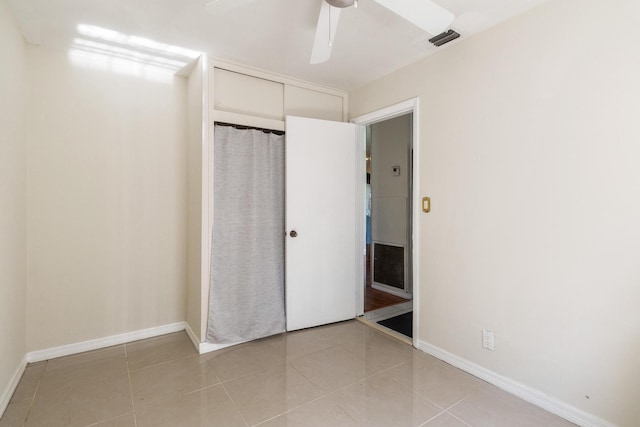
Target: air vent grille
(444, 38)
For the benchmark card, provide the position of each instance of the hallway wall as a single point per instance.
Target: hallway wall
(390, 209)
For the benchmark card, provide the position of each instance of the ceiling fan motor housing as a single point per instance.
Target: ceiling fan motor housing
(341, 3)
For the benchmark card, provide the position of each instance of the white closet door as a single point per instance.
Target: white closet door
(322, 214)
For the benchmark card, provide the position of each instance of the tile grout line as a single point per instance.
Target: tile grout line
(458, 418)
(326, 395)
(133, 405)
(203, 388)
(35, 393)
(234, 403)
(433, 418)
(454, 405)
(160, 363)
(247, 374)
(444, 408)
(105, 420)
(295, 407)
(388, 369)
(310, 401)
(412, 391)
(163, 363)
(443, 411)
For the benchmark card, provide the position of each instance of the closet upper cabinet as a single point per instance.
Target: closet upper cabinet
(248, 95)
(310, 103)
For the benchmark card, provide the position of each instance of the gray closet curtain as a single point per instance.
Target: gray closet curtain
(246, 298)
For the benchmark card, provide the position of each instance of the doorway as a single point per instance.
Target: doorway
(391, 191)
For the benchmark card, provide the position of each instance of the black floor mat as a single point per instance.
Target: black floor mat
(402, 323)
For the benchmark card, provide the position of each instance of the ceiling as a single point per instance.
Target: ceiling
(274, 35)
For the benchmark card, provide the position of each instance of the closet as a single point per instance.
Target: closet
(222, 92)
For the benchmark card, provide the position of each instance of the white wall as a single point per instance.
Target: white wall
(107, 193)
(529, 148)
(12, 201)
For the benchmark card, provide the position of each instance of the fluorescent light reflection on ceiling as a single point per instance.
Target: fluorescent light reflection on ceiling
(134, 42)
(109, 50)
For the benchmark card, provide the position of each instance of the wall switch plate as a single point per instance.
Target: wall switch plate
(488, 340)
(426, 204)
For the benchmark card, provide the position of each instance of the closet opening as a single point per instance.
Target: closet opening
(246, 298)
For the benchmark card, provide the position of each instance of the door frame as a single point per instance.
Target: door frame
(390, 112)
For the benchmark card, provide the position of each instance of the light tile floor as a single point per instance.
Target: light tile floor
(346, 374)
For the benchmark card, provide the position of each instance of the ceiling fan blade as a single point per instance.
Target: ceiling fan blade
(426, 14)
(325, 33)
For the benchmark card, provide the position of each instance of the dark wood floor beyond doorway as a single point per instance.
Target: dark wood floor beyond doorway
(373, 298)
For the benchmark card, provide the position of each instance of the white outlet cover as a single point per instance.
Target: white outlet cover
(488, 340)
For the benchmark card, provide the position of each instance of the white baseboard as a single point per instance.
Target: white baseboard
(66, 350)
(531, 395)
(205, 347)
(391, 290)
(11, 387)
(192, 336)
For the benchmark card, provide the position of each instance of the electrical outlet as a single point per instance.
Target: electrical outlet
(488, 340)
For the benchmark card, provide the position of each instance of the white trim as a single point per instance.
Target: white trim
(206, 213)
(360, 212)
(531, 395)
(387, 113)
(205, 347)
(11, 387)
(415, 223)
(247, 120)
(409, 106)
(80, 347)
(192, 336)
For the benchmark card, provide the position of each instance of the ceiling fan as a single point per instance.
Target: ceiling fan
(425, 14)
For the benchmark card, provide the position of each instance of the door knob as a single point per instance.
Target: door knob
(293, 233)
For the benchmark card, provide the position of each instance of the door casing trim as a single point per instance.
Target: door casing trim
(409, 106)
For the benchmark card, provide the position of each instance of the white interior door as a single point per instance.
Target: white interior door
(325, 202)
